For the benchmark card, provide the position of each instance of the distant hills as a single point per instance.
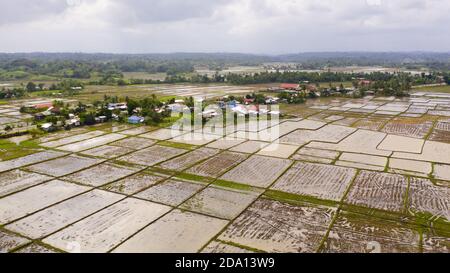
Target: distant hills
(382, 57)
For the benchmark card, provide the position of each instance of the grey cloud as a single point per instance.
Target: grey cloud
(254, 26)
(18, 11)
(149, 11)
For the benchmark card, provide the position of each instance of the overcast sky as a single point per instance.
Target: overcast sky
(247, 26)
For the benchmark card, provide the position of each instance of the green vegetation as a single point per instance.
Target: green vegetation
(297, 199)
(441, 89)
(232, 185)
(293, 98)
(177, 145)
(193, 177)
(10, 150)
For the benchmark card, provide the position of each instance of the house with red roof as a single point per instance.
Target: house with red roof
(364, 83)
(289, 86)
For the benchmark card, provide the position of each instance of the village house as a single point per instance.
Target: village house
(289, 86)
(364, 83)
(135, 120)
(117, 106)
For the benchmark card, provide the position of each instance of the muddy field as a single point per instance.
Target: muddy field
(98, 232)
(64, 166)
(219, 202)
(217, 165)
(356, 233)
(189, 159)
(171, 192)
(152, 155)
(276, 227)
(378, 190)
(321, 181)
(133, 184)
(258, 171)
(101, 174)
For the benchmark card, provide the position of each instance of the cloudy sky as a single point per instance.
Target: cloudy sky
(248, 26)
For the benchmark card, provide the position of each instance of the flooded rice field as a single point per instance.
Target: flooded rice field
(340, 175)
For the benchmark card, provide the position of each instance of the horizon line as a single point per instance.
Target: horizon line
(225, 52)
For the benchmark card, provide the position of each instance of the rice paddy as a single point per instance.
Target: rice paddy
(343, 175)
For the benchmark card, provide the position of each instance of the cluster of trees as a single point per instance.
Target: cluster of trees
(446, 77)
(12, 93)
(315, 77)
(293, 98)
(150, 108)
(22, 68)
(399, 87)
(89, 114)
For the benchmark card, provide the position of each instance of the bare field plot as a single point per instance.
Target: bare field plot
(220, 202)
(347, 121)
(393, 107)
(153, 155)
(30, 200)
(441, 131)
(442, 171)
(137, 130)
(72, 139)
(278, 150)
(28, 160)
(219, 247)
(217, 165)
(362, 141)
(63, 214)
(35, 248)
(133, 184)
(5, 120)
(196, 138)
(435, 244)
(9, 242)
(17, 180)
(401, 144)
(424, 196)
(163, 134)
(171, 192)
(439, 135)
(225, 143)
(135, 143)
(370, 123)
(357, 233)
(91, 143)
(317, 180)
(334, 118)
(319, 117)
(305, 124)
(60, 135)
(362, 161)
(64, 165)
(102, 174)
(258, 171)
(109, 227)
(176, 232)
(329, 133)
(189, 159)
(249, 147)
(432, 151)
(378, 190)
(409, 127)
(315, 155)
(108, 152)
(420, 168)
(272, 226)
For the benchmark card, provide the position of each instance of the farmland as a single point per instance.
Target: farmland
(342, 175)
